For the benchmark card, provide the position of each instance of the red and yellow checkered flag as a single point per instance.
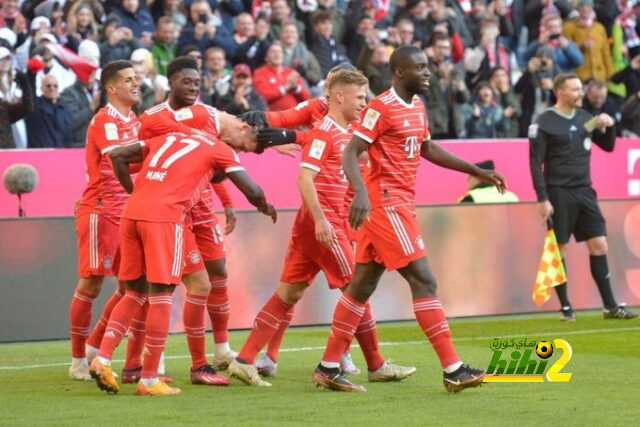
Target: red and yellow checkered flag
(551, 271)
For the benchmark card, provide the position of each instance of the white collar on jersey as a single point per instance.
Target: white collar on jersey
(113, 110)
(400, 100)
(340, 128)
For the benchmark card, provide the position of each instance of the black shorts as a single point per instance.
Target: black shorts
(576, 211)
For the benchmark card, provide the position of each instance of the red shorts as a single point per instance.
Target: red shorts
(390, 236)
(306, 257)
(152, 248)
(98, 253)
(210, 240)
(192, 258)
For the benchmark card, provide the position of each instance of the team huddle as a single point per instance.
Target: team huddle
(147, 217)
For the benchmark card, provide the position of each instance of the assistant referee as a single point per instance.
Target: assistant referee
(561, 140)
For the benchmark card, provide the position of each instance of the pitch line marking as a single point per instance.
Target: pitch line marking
(381, 344)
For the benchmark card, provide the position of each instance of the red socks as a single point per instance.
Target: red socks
(98, 330)
(80, 321)
(265, 327)
(119, 321)
(135, 340)
(276, 340)
(367, 336)
(157, 327)
(430, 316)
(193, 319)
(346, 319)
(218, 308)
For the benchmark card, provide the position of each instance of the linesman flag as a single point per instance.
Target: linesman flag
(551, 271)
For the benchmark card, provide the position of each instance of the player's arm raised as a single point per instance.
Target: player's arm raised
(437, 154)
(252, 192)
(361, 205)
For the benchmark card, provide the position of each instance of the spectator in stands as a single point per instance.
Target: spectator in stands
(356, 41)
(337, 17)
(567, 55)
(170, 8)
(439, 14)
(44, 62)
(204, 30)
(377, 70)
(506, 97)
(216, 76)
(448, 93)
(16, 101)
(119, 44)
(480, 12)
(50, 124)
(591, 37)
(81, 24)
(81, 101)
(631, 115)
(630, 76)
(490, 52)
(194, 52)
(280, 86)
(11, 18)
(327, 50)
(280, 13)
(242, 97)
(486, 193)
(39, 27)
(484, 115)
(137, 18)
(153, 86)
(297, 56)
(536, 11)
(535, 87)
(254, 49)
(596, 101)
(416, 11)
(402, 33)
(165, 45)
(245, 29)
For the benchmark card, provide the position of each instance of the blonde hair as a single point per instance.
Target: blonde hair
(72, 20)
(346, 77)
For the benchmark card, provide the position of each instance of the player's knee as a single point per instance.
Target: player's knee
(424, 284)
(598, 246)
(362, 290)
(216, 267)
(291, 292)
(90, 285)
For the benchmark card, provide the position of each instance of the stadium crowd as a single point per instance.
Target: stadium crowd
(492, 62)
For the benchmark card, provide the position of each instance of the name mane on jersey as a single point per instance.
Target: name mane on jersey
(156, 175)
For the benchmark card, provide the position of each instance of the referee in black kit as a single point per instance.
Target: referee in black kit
(560, 140)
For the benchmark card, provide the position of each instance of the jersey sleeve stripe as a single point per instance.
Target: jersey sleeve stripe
(363, 136)
(233, 169)
(109, 148)
(310, 166)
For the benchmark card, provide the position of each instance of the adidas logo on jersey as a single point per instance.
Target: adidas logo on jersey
(406, 123)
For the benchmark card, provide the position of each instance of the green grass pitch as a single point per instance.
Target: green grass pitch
(604, 387)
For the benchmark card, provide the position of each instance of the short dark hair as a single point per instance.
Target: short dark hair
(111, 70)
(438, 36)
(401, 54)
(594, 83)
(495, 70)
(181, 63)
(321, 16)
(483, 84)
(561, 79)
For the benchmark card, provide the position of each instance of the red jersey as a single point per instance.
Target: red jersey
(162, 119)
(104, 194)
(395, 131)
(323, 154)
(307, 113)
(271, 83)
(173, 166)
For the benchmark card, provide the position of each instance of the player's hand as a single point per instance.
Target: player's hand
(604, 121)
(360, 208)
(493, 178)
(325, 234)
(269, 210)
(231, 220)
(546, 210)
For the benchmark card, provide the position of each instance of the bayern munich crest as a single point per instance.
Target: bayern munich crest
(108, 262)
(194, 257)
